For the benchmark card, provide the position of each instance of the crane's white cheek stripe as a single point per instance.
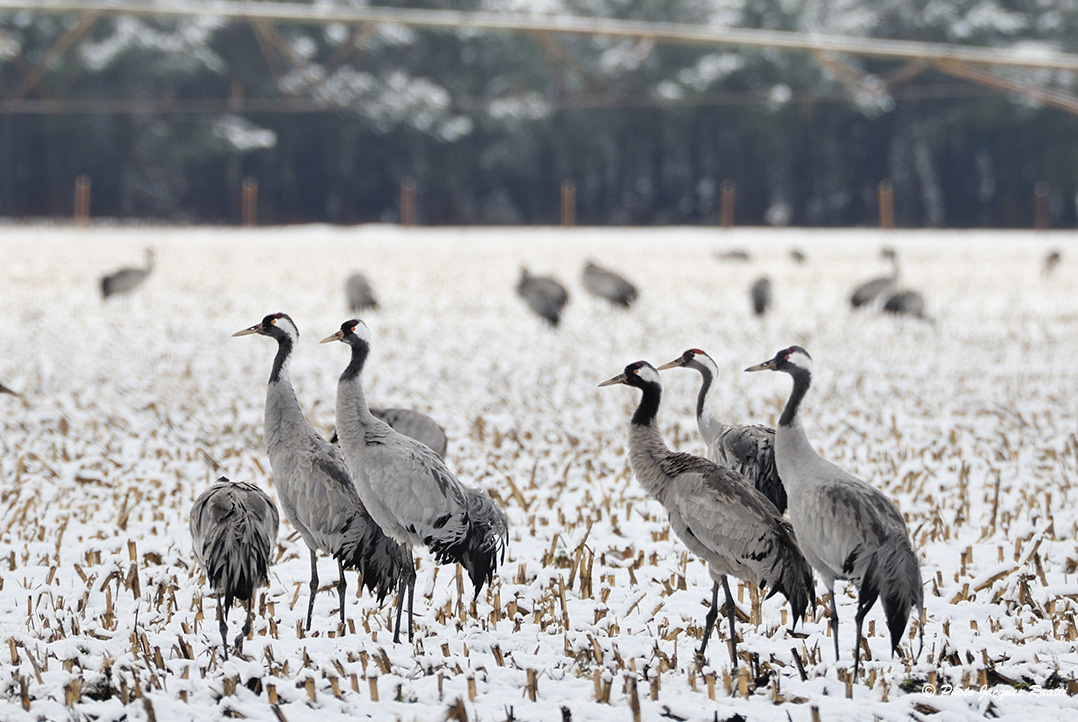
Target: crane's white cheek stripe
(801, 361)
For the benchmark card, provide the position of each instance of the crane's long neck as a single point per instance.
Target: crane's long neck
(709, 426)
(282, 406)
(790, 415)
(352, 410)
(646, 447)
(794, 453)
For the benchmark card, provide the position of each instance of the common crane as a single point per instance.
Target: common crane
(761, 295)
(905, 303)
(848, 529)
(607, 284)
(408, 489)
(127, 279)
(717, 514)
(1051, 261)
(544, 294)
(315, 488)
(234, 532)
(360, 293)
(871, 290)
(747, 449)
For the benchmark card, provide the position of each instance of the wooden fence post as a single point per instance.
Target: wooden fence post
(82, 200)
(249, 201)
(886, 195)
(1042, 209)
(408, 202)
(568, 203)
(728, 195)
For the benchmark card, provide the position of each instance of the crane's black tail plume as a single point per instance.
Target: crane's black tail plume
(897, 576)
(482, 547)
(794, 574)
(381, 561)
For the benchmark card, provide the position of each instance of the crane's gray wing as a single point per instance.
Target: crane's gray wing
(848, 520)
(730, 523)
(410, 478)
(750, 450)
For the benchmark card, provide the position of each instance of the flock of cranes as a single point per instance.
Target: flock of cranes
(371, 500)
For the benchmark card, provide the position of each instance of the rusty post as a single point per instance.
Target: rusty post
(1042, 212)
(408, 202)
(568, 203)
(249, 201)
(886, 194)
(727, 197)
(82, 200)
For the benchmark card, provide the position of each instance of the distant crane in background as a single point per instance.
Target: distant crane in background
(545, 295)
(761, 295)
(127, 279)
(234, 533)
(360, 293)
(1051, 261)
(607, 284)
(869, 291)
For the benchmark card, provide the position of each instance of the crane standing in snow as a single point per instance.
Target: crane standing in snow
(544, 294)
(847, 528)
(717, 514)
(127, 279)
(407, 487)
(234, 531)
(315, 489)
(604, 283)
(748, 450)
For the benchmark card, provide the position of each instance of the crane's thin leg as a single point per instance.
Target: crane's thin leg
(411, 604)
(342, 585)
(314, 587)
(400, 608)
(834, 616)
(222, 624)
(709, 620)
(864, 603)
(731, 614)
(246, 628)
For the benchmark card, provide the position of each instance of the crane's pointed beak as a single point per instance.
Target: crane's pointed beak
(676, 363)
(765, 366)
(333, 337)
(248, 331)
(619, 379)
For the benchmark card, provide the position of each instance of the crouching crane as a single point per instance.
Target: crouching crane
(234, 532)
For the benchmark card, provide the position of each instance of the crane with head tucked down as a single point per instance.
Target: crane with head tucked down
(719, 515)
(847, 528)
(747, 449)
(408, 489)
(234, 532)
(607, 284)
(315, 488)
(545, 295)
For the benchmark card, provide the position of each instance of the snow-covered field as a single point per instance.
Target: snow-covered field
(130, 408)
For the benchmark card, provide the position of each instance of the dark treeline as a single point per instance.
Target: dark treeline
(489, 124)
